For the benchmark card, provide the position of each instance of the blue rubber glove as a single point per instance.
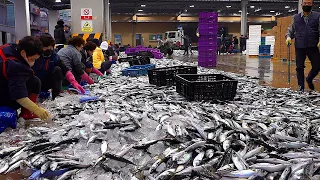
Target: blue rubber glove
(88, 98)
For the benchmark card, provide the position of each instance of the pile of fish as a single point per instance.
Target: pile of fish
(138, 131)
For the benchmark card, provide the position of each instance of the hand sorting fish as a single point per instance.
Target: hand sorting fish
(140, 131)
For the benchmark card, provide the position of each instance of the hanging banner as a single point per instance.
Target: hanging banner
(86, 14)
(86, 26)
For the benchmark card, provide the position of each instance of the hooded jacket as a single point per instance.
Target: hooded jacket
(18, 72)
(59, 35)
(98, 58)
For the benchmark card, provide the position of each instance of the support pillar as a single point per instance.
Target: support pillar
(97, 7)
(244, 20)
(106, 19)
(300, 6)
(53, 17)
(110, 26)
(22, 19)
(133, 35)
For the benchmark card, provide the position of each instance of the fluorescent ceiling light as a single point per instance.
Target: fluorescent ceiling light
(228, 6)
(192, 6)
(140, 10)
(287, 7)
(143, 5)
(251, 7)
(58, 0)
(272, 11)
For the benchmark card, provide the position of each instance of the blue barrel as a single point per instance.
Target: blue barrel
(8, 118)
(44, 95)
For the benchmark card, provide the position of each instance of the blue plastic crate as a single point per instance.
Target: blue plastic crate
(138, 70)
(264, 47)
(265, 57)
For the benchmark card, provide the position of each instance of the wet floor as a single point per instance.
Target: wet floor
(270, 72)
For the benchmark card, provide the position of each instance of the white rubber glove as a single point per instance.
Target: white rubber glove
(288, 41)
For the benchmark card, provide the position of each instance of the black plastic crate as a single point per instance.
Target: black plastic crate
(206, 87)
(127, 59)
(139, 61)
(166, 76)
(145, 54)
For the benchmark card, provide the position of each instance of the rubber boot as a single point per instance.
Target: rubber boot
(25, 113)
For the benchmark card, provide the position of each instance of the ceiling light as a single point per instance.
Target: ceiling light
(228, 6)
(140, 10)
(58, 0)
(239, 11)
(192, 6)
(143, 5)
(287, 7)
(251, 7)
(272, 11)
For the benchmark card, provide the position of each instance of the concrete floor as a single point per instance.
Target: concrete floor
(270, 72)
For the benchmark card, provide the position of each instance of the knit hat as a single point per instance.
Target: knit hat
(60, 22)
(96, 41)
(104, 45)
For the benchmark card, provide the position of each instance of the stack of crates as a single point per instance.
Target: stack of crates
(264, 51)
(207, 43)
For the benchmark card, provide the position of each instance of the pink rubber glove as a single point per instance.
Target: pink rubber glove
(85, 77)
(73, 82)
(97, 72)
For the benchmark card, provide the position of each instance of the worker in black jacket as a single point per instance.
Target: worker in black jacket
(51, 70)
(86, 53)
(59, 35)
(19, 88)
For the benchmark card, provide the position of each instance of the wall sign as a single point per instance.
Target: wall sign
(86, 14)
(86, 20)
(86, 26)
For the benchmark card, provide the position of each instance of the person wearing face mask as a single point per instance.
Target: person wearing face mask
(51, 70)
(305, 28)
(19, 88)
(71, 57)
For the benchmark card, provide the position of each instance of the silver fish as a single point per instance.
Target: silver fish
(104, 147)
(269, 167)
(45, 167)
(184, 158)
(239, 161)
(4, 165)
(198, 159)
(14, 166)
(67, 174)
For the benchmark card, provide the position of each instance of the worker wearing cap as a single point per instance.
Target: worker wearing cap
(101, 62)
(305, 28)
